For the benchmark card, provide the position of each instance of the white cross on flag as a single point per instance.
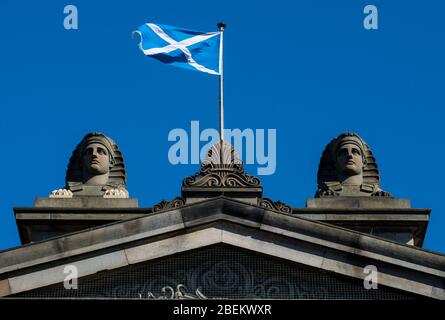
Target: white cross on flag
(181, 48)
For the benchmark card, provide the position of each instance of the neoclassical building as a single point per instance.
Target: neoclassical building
(221, 237)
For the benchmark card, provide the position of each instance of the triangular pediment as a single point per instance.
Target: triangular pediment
(224, 222)
(218, 271)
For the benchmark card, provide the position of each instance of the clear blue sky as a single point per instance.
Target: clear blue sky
(308, 69)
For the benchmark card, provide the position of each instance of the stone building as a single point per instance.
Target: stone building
(221, 238)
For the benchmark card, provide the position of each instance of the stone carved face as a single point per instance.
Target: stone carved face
(349, 159)
(95, 159)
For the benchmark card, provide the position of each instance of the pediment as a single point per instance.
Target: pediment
(222, 221)
(218, 271)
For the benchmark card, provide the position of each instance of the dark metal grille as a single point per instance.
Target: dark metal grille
(217, 272)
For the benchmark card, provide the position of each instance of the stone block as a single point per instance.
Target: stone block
(54, 275)
(176, 244)
(224, 210)
(357, 202)
(273, 245)
(85, 202)
(4, 288)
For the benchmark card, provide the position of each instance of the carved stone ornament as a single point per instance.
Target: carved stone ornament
(165, 205)
(181, 293)
(222, 171)
(348, 168)
(96, 168)
(222, 168)
(61, 193)
(271, 205)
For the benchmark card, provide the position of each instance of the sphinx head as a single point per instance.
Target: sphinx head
(96, 158)
(348, 168)
(349, 155)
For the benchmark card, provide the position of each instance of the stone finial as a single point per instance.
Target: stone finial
(222, 168)
(222, 174)
(348, 168)
(96, 168)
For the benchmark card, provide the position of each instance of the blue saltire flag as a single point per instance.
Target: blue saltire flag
(181, 48)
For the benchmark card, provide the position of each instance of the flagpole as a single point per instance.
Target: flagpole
(221, 26)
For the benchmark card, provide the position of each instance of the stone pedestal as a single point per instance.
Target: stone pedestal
(357, 202)
(389, 218)
(52, 217)
(197, 194)
(85, 202)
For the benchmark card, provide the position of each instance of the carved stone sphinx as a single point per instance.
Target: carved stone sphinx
(348, 168)
(96, 168)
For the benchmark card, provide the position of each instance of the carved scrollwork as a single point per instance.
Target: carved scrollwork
(164, 205)
(181, 293)
(222, 168)
(221, 178)
(271, 205)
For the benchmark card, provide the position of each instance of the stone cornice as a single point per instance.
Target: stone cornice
(252, 221)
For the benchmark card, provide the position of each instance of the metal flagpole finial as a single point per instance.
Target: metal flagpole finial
(221, 26)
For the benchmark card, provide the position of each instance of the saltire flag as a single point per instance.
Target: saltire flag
(182, 48)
